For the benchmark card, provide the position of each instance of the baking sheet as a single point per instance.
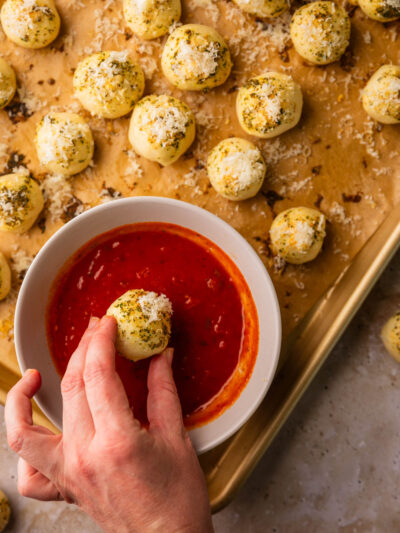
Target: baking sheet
(336, 158)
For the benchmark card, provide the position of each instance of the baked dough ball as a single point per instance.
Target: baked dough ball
(5, 511)
(391, 336)
(108, 84)
(151, 18)
(320, 32)
(21, 201)
(64, 143)
(144, 323)
(297, 234)
(269, 105)
(162, 128)
(30, 23)
(236, 169)
(196, 57)
(8, 83)
(263, 8)
(5, 286)
(381, 96)
(382, 10)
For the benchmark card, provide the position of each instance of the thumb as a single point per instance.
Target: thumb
(163, 406)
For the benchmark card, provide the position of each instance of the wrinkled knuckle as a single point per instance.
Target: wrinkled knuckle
(168, 387)
(94, 373)
(116, 451)
(15, 438)
(70, 384)
(80, 468)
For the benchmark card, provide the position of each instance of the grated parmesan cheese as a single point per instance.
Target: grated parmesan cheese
(154, 306)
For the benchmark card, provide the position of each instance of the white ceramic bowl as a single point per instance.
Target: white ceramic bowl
(30, 332)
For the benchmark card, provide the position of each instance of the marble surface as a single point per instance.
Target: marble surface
(334, 467)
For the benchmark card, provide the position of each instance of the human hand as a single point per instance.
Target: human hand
(127, 478)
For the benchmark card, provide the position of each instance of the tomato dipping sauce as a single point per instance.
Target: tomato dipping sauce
(214, 323)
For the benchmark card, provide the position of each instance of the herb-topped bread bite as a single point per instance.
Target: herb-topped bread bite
(8, 83)
(162, 128)
(21, 201)
(108, 84)
(269, 105)
(30, 23)
(144, 323)
(381, 96)
(297, 234)
(263, 8)
(236, 169)
(5, 286)
(151, 18)
(320, 32)
(196, 57)
(64, 143)
(391, 336)
(381, 10)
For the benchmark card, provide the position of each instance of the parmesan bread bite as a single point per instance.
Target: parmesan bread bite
(236, 169)
(8, 83)
(21, 201)
(30, 23)
(263, 8)
(64, 143)
(391, 336)
(381, 96)
(151, 18)
(108, 84)
(269, 105)
(5, 286)
(320, 32)
(381, 10)
(144, 323)
(162, 128)
(297, 234)
(196, 57)
(5, 511)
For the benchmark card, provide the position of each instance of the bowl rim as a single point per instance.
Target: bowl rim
(214, 219)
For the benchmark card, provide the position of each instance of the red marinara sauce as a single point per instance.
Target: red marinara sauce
(214, 324)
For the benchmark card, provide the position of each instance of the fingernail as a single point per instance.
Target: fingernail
(30, 371)
(92, 322)
(169, 354)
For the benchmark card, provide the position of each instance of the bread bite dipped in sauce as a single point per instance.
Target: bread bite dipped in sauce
(21, 201)
(64, 143)
(30, 23)
(161, 128)
(381, 95)
(263, 8)
(297, 234)
(236, 169)
(269, 105)
(5, 277)
(8, 83)
(320, 32)
(144, 323)
(108, 84)
(391, 336)
(196, 57)
(151, 18)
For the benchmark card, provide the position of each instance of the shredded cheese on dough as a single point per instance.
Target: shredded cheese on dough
(198, 63)
(166, 124)
(155, 306)
(243, 167)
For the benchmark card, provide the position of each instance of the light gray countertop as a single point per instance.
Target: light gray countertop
(335, 465)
